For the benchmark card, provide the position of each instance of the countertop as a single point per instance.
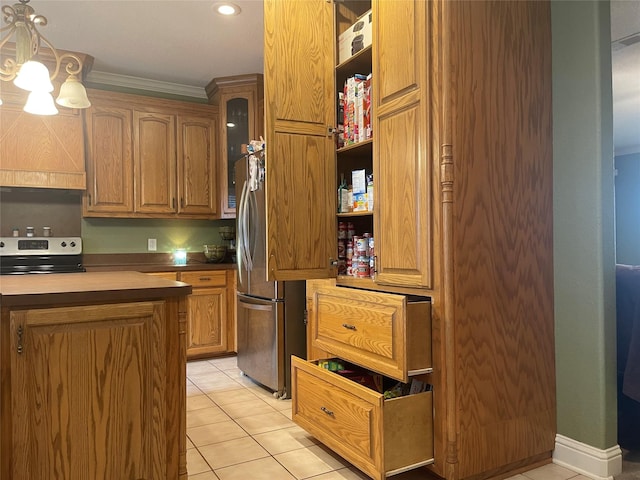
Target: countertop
(149, 262)
(89, 287)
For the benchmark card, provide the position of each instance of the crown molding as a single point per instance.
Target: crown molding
(103, 78)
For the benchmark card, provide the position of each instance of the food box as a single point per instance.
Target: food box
(355, 38)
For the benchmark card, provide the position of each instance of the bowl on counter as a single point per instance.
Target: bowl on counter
(227, 233)
(215, 253)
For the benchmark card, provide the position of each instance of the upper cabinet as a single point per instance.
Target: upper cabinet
(240, 103)
(150, 158)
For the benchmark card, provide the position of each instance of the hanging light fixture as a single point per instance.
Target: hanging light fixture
(29, 74)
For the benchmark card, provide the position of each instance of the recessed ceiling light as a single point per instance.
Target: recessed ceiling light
(226, 9)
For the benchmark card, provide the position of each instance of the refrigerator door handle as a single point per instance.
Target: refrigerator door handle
(242, 233)
(239, 235)
(252, 212)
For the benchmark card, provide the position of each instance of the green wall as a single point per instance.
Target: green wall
(110, 235)
(628, 209)
(584, 253)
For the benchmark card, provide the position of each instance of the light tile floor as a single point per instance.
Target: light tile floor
(237, 430)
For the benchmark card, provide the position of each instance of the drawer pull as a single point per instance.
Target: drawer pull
(205, 279)
(327, 411)
(348, 326)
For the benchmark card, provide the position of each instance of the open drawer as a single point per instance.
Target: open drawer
(382, 437)
(384, 332)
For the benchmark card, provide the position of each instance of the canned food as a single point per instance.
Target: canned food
(342, 230)
(364, 270)
(342, 251)
(351, 231)
(362, 246)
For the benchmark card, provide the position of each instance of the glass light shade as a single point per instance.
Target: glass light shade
(33, 76)
(73, 94)
(40, 103)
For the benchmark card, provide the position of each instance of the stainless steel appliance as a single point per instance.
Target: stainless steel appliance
(25, 255)
(271, 323)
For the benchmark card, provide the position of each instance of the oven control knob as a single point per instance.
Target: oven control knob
(63, 244)
(72, 244)
(1, 244)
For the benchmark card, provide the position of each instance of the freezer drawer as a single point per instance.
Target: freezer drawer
(261, 341)
(385, 332)
(381, 437)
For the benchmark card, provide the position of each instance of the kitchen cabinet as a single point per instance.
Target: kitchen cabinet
(240, 102)
(462, 166)
(211, 324)
(207, 333)
(93, 371)
(150, 158)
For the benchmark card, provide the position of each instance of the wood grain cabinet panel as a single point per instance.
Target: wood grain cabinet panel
(211, 312)
(151, 158)
(109, 160)
(383, 332)
(41, 151)
(104, 363)
(381, 437)
(299, 108)
(197, 187)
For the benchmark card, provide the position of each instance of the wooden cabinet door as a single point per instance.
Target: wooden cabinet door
(109, 160)
(154, 160)
(197, 174)
(402, 168)
(88, 392)
(300, 167)
(207, 322)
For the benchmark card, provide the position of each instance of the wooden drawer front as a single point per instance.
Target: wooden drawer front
(380, 331)
(204, 278)
(343, 415)
(380, 437)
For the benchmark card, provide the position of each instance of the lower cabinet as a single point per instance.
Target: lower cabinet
(90, 392)
(211, 321)
(382, 437)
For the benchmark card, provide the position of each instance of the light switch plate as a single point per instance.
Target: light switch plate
(152, 244)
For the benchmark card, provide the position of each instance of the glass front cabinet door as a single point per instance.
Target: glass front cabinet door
(240, 102)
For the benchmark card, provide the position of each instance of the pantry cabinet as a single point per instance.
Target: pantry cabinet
(150, 158)
(240, 102)
(461, 160)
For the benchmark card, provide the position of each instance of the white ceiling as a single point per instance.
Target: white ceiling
(185, 42)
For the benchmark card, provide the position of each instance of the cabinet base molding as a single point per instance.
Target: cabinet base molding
(590, 461)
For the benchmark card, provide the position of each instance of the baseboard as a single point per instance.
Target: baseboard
(587, 460)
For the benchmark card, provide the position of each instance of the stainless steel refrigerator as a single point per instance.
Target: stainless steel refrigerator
(271, 324)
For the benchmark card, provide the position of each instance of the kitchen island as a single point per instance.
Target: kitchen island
(93, 370)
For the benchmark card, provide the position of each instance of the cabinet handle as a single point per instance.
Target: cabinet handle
(182, 203)
(348, 326)
(89, 199)
(327, 411)
(204, 279)
(19, 332)
(173, 202)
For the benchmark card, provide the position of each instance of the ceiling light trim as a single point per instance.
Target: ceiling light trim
(104, 78)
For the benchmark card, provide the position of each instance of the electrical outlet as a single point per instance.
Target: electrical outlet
(151, 244)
